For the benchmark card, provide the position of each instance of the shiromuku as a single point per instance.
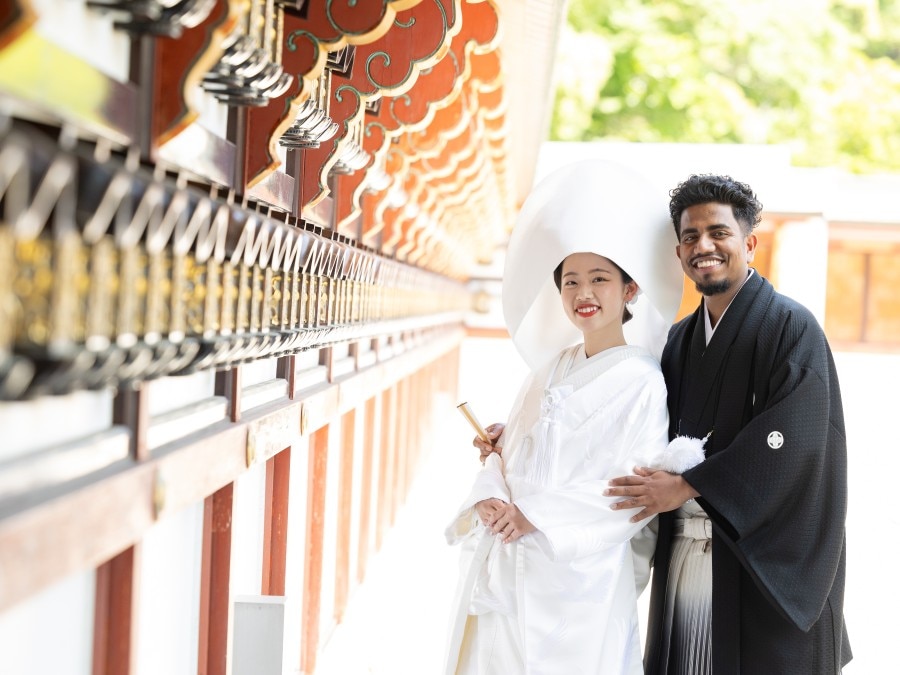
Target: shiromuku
(549, 573)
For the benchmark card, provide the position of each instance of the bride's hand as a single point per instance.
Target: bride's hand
(486, 509)
(511, 523)
(493, 432)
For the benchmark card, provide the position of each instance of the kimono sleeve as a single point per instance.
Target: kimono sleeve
(778, 491)
(489, 483)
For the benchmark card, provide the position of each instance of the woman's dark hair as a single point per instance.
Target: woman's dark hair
(557, 279)
(707, 188)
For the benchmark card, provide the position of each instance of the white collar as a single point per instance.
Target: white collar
(710, 329)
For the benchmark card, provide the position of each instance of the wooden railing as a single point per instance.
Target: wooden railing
(337, 455)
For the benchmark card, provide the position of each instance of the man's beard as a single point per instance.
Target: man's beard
(713, 287)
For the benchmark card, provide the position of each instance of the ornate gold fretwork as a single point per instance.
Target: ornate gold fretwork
(132, 276)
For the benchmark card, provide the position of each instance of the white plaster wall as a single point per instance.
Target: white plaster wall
(329, 543)
(247, 531)
(50, 421)
(371, 513)
(169, 600)
(296, 555)
(170, 393)
(257, 372)
(247, 537)
(60, 616)
(357, 508)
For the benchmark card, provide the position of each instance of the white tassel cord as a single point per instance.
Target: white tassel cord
(543, 456)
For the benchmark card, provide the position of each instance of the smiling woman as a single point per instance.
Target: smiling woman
(536, 522)
(594, 292)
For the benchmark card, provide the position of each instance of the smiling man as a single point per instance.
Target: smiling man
(714, 252)
(749, 566)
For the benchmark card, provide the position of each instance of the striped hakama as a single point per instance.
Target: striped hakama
(688, 610)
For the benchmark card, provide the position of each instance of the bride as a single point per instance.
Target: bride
(549, 574)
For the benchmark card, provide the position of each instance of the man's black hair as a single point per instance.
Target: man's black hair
(706, 188)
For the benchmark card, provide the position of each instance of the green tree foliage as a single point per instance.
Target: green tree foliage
(822, 76)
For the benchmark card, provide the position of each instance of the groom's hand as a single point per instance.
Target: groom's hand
(650, 490)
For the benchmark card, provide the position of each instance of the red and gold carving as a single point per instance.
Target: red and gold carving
(327, 27)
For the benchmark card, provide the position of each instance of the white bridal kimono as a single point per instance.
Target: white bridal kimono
(569, 590)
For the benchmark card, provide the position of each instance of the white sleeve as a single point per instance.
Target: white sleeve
(489, 484)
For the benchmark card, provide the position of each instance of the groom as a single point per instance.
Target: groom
(752, 370)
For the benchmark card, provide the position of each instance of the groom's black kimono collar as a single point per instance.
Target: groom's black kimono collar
(702, 384)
